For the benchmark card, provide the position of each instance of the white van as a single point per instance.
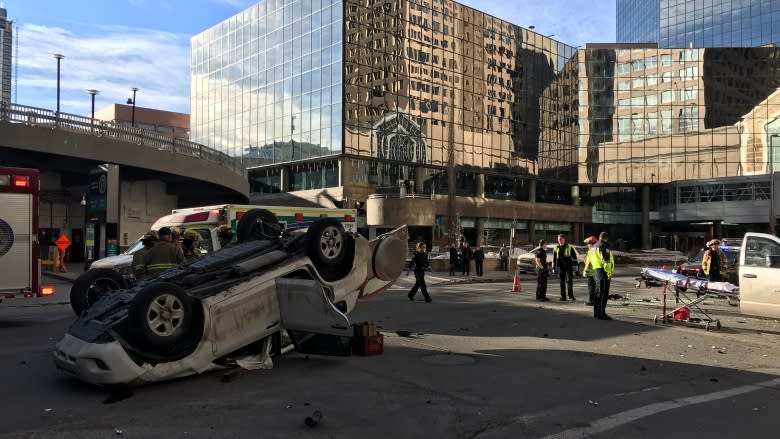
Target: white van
(759, 271)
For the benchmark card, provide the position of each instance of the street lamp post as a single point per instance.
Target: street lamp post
(58, 57)
(132, 101)
(93, 92)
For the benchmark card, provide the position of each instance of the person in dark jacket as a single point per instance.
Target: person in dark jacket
(479, 260)
(164, 255)
(540, 257)
(466, 255)
(420, 264)
(564, 261)
(453, 259)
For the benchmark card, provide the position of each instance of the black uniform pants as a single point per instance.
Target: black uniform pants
(466, 267)
(602, 293)
(504, 264)
(479, 265)
(453, 267)
(419, 283)
(567, 282)
(541, 284)
(591, 289)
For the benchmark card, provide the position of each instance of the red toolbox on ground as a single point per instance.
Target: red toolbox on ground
(366, 340)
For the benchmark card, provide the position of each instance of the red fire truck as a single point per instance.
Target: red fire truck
(20, 263)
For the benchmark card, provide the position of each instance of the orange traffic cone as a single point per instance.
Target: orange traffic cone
(516, 288)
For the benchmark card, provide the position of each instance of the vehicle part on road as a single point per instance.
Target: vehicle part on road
(388, 251)
(160, 315)
(93, 285)
(314, 419)
(257, 224)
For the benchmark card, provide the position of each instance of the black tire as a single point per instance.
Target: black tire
(92, 285)
(160, 316)
(330, 248)
(250, 226)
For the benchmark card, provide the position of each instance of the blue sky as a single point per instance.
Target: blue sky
(113, 45)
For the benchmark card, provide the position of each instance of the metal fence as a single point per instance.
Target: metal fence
(16, 113)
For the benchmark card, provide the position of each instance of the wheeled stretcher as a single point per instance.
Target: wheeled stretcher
(685, 313)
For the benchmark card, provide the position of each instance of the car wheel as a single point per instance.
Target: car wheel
(330, 248)
(93, 285)
(160, 315)
(253, 225)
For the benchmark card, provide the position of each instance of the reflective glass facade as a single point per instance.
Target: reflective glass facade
(648, 116)
(699, 23)
(434, 84)
(267, 83)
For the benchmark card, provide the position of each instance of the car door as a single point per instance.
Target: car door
(759, 271)
(314, 324)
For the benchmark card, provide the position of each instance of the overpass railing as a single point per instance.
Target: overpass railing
(116, 130)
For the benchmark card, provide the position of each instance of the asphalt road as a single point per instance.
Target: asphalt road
(479, 362)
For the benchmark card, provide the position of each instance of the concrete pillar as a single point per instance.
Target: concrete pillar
(531, 190)
(480, 225)
(345, 171)
(646, 244)
(284, 179)
(717, 229)
(532, 232)
(419, 179)
(480, 185)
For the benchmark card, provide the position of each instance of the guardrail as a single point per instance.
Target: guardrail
(16, 113)
(421, 196)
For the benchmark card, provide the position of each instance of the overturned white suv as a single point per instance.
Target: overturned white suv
(237, 301)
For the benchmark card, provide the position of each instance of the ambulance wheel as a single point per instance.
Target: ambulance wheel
(330, 248)
(160, 316)
(93, 285)
(252, 226)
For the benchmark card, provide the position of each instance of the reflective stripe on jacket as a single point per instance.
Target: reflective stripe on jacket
(163, 256)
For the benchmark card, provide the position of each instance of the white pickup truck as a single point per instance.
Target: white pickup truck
(759, 271)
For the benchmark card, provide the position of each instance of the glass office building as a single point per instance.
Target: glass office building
(699, 126)
(699, 23)
(355, 98)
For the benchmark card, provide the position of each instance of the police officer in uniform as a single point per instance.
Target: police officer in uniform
(588, 271)
(164, 255)
(541, 271)
(139, 264)
(420, 264)
(603, 263)
(564, 261)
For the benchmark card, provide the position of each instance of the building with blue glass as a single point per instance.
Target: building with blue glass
(699, 23)
(418, 112)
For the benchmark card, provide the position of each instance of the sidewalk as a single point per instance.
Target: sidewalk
(74, 271)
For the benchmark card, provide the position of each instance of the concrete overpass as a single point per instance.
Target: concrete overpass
(148, 173)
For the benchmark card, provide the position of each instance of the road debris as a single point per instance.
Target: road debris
(592, 402)
(314, 419)
(119, 432)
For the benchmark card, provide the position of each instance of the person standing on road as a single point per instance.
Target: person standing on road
(603, 263)
(588, 271)
(164, 255)
(541, 271)
(714, 263)
(420, 264)
(479, 260)
(564, 261)
(139, 264)
(466, 255)
(503, 254)
(453, 259)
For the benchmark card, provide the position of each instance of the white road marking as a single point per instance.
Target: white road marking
(632, 415)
